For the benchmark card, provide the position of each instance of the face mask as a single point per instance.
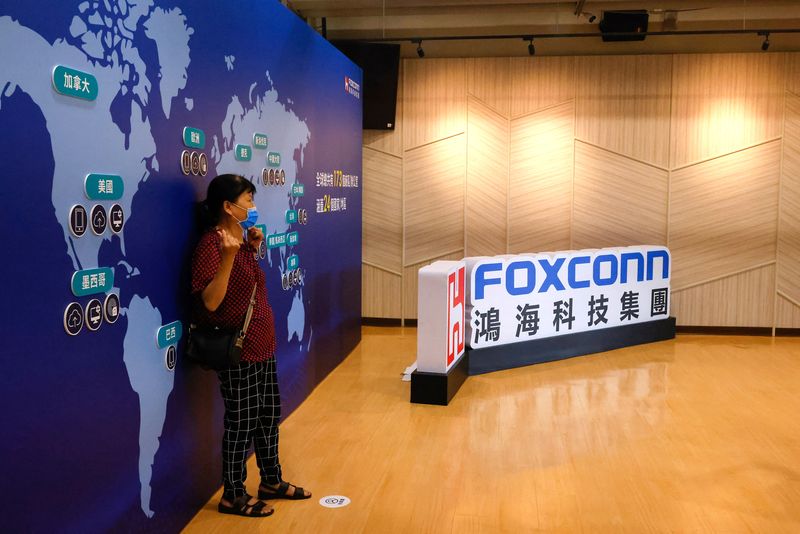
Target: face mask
(252, 217)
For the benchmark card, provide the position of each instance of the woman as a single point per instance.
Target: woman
(224, 272)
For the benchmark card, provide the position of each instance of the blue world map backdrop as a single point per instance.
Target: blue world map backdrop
(105, 427)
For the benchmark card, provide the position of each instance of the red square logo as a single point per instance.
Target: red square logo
(455, 314)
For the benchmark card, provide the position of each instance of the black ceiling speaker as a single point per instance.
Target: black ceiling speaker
(632, 21)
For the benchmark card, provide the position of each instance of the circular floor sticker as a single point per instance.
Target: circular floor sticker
(334, 501)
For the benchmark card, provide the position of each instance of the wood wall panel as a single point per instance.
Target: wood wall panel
(410, 285)
(435, 95)
(487, 180)
(617, 201)
(382, 216)
(793, 73)
(609, 127)
(623, 105)
(540, 183)
(540, 82)
(389, 141)
(489, 80)
(380, 293)
(724, 102)
(723, 215)
(740, 300)
(789, 235)
(434, 199)
(788, 315)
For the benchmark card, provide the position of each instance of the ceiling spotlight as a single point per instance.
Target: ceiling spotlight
(420, 51)
(531, 48)
(765, 44)
(579, 12)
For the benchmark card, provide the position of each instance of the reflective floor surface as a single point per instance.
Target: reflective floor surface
(697, 434)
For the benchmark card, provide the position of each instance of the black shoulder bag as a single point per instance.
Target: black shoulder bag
(217, 349)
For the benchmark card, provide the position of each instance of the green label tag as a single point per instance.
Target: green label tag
(103, 186)
(298, 190)
(293, 262)
(169, 334)
(260, 140)
(274, 159)
(91, 281)
(293, 238)
(194, 137)
(243, 153)
(74, 83)
(291, 216)
(276, 240)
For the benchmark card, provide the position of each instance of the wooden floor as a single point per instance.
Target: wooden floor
(698, 434)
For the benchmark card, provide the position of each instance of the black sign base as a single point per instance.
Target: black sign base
(436, 388)
(439, 389)
(550, 349)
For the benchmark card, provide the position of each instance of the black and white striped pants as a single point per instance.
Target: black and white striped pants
(252, 413)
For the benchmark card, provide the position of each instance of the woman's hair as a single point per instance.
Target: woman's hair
(223, 187)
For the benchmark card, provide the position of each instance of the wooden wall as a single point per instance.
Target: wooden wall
(506, 155)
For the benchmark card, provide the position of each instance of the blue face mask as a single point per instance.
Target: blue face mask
(252, 217)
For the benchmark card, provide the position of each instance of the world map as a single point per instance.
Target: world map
(141, 56)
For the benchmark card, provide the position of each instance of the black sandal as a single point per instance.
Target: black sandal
(280, 493)
(242, 507)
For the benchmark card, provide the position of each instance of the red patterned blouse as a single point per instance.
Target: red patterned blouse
(259, 344)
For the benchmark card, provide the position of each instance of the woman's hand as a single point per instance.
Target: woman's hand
(254, 237)
(228, 243)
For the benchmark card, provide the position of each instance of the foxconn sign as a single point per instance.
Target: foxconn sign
(510, 299)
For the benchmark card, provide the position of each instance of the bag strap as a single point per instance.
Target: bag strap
(249, 311)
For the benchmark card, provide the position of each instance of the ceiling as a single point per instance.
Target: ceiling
(410, 19)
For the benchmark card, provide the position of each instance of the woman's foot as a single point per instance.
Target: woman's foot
(246, 506)
(283, 490)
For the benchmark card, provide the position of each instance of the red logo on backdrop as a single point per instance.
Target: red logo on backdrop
(455, 314)
(352, 87)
